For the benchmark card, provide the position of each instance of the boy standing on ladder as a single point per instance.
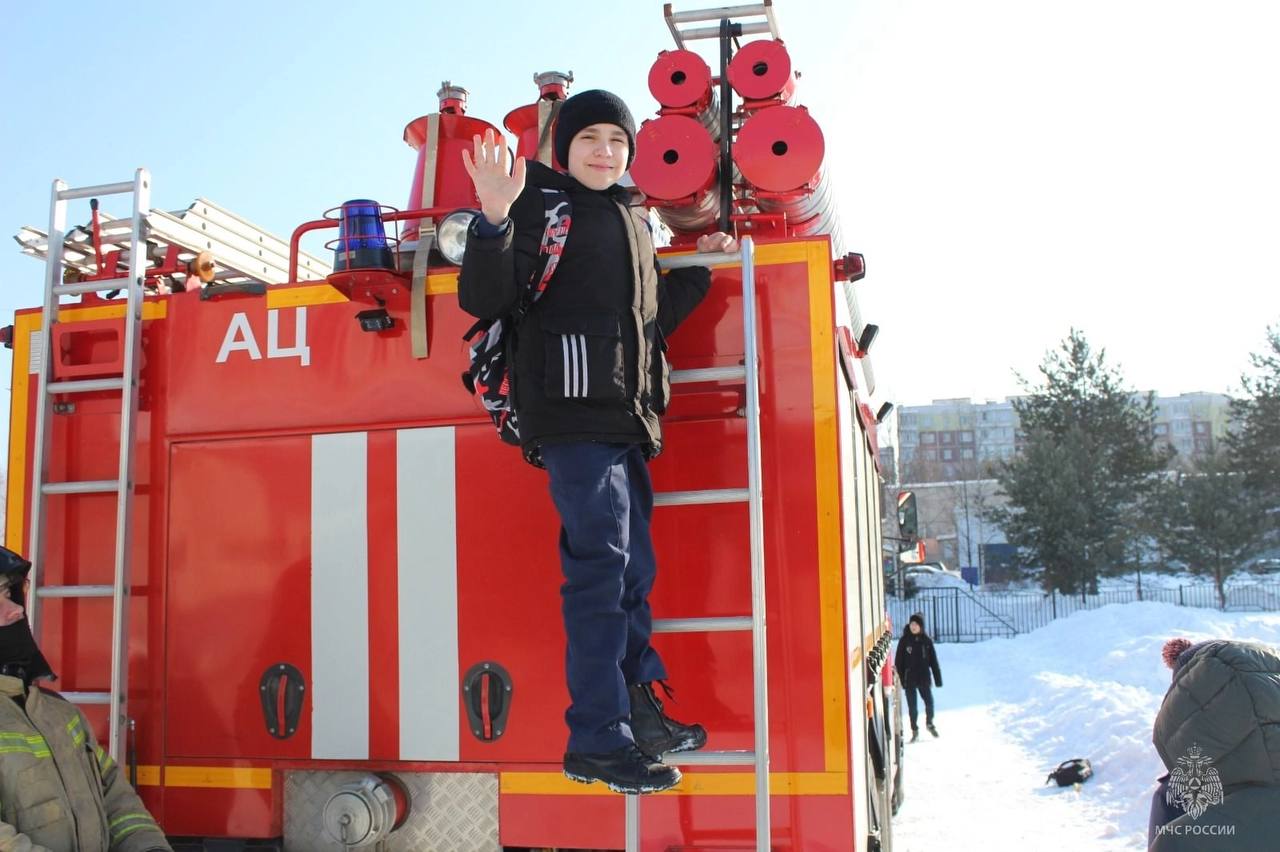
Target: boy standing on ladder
(589, 383)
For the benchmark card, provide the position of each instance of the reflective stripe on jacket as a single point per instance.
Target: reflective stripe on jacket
(60, 791)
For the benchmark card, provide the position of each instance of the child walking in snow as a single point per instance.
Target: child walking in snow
(915, 661)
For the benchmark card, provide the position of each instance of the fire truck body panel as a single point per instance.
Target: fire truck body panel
(311, 495)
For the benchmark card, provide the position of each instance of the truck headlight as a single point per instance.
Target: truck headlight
(451, 236)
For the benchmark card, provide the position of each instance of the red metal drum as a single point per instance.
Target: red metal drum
(762, 70)
(780, 149)
(680, 78)
(676, 167)
(681, 81)
(780, 153)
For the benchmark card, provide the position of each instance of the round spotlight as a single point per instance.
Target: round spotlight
(451, 235)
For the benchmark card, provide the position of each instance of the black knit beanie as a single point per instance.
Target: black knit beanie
(918, 618)
(592, 107)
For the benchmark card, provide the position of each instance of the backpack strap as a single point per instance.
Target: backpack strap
(559, 216)
(488, 375)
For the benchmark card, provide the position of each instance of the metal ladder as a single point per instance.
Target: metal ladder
(752, 495)
(123, 485)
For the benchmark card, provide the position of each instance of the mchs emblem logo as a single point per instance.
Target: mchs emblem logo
(1194, 784)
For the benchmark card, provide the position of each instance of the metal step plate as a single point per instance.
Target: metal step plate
(448, 810)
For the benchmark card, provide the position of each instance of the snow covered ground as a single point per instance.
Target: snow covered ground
(1152, 580)
(1010, 710)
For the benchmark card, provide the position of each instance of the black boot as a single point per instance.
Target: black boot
(915, 734)
(931, 728)
(657, 733)
(627, 770)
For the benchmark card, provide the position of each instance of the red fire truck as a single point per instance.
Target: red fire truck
(268, 560)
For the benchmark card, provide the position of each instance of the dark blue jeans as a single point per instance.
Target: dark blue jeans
(927, 692)
(605, 500)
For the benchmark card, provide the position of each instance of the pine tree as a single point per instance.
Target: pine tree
(1086, 472)
(1254, 443)
(1210, 522)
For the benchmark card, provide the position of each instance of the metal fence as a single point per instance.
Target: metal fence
(961, 615)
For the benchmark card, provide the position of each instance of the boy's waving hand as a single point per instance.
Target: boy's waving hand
(495, 187)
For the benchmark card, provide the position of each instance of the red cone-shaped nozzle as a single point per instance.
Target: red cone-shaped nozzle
(448, 185)
(528, 123)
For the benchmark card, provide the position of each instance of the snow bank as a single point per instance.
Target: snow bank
(1150, 580)
(960, 615)
(1087, 685)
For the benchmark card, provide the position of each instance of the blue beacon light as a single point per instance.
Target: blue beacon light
(362, 238)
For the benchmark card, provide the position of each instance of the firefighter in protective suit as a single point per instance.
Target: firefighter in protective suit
(59, 790)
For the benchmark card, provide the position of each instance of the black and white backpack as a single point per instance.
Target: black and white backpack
(1071, 772)
(488, 376)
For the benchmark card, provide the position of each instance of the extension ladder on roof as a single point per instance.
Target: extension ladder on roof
(243, 251)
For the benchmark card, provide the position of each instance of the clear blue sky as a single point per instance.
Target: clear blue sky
(1009, 168)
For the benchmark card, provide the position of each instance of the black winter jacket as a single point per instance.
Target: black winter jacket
(916, 659)
(589, 362)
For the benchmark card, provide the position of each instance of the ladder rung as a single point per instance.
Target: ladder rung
(87, 697)
(75, 591)
(694, 498)
(87, 385)
(694, 16)
(101, 189)
(712, 624)
(709, 374)
(711, 758)
(88, 486)
(702, 258)
(714, 32)
(80, 287)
